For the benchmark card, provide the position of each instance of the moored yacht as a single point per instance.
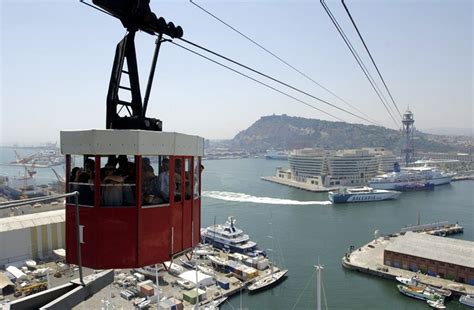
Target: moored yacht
(229, 238)
(419, 293)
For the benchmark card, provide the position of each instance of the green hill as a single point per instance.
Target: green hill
(287, 132)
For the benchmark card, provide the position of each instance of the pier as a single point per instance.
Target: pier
(438, 229)
(299, 185)
(369, 259)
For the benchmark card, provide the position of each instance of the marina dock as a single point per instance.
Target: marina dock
(438, 229)
(173, 290)
(369, 259)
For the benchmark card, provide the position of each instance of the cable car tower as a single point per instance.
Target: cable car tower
(408, 130)
(147, 209)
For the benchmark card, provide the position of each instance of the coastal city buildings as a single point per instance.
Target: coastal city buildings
(328, 169)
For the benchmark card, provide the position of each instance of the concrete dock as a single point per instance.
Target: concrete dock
(369, 259)
(300, 185)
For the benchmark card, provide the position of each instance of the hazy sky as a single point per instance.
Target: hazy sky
(56, 58)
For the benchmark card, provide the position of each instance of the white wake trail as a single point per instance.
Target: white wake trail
(241, 197)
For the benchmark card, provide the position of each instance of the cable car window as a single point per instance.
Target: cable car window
(81, 179)
(187, 178)
(177, 179)
(196, 177)
(117, 181)
(155, 180)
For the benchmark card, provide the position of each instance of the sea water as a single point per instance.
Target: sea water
(300, 229)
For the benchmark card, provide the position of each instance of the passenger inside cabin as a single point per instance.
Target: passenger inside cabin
(112, 184)
(73, 178)
(145, 162)
(111, 162)
(122, 165)
(177, 180)
(129, 185)
(150, 186)
(86, 192)
(89, 167)
(164, 180)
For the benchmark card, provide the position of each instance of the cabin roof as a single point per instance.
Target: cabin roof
(130, 142)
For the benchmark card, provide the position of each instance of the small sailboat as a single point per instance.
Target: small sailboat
(267, 281)
(273, 277)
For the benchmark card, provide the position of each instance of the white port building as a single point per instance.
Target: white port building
(31, 236)
(324, 168)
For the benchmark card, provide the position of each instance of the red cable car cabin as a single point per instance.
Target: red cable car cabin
(139, 196)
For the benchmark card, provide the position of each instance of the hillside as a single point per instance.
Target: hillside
(287, 132)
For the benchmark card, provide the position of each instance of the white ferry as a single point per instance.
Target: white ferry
(408, 176)
(362, 194)
(229, 238)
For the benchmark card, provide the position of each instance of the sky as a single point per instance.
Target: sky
(56, 58)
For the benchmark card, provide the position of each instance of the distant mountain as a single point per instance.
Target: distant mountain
(287, 132)
(452, 131)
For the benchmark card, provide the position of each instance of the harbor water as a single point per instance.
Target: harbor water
(299, 229)
(304, 234)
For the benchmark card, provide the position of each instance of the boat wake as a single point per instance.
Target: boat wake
(241, 197)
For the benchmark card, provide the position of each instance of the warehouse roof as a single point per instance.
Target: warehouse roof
(31, 220)
(191, 276)
(446, 250)
(5, 281)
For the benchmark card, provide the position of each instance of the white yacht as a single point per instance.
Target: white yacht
(228, 237)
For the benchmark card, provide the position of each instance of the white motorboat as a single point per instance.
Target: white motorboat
(419, 293)
(438, 304)
(150, 270)
(217, 260)
(467, 300)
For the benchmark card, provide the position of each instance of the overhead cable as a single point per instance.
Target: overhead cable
(359, 60)
(275, 80)
(275, 56)
(370, 55)
(255, 80)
